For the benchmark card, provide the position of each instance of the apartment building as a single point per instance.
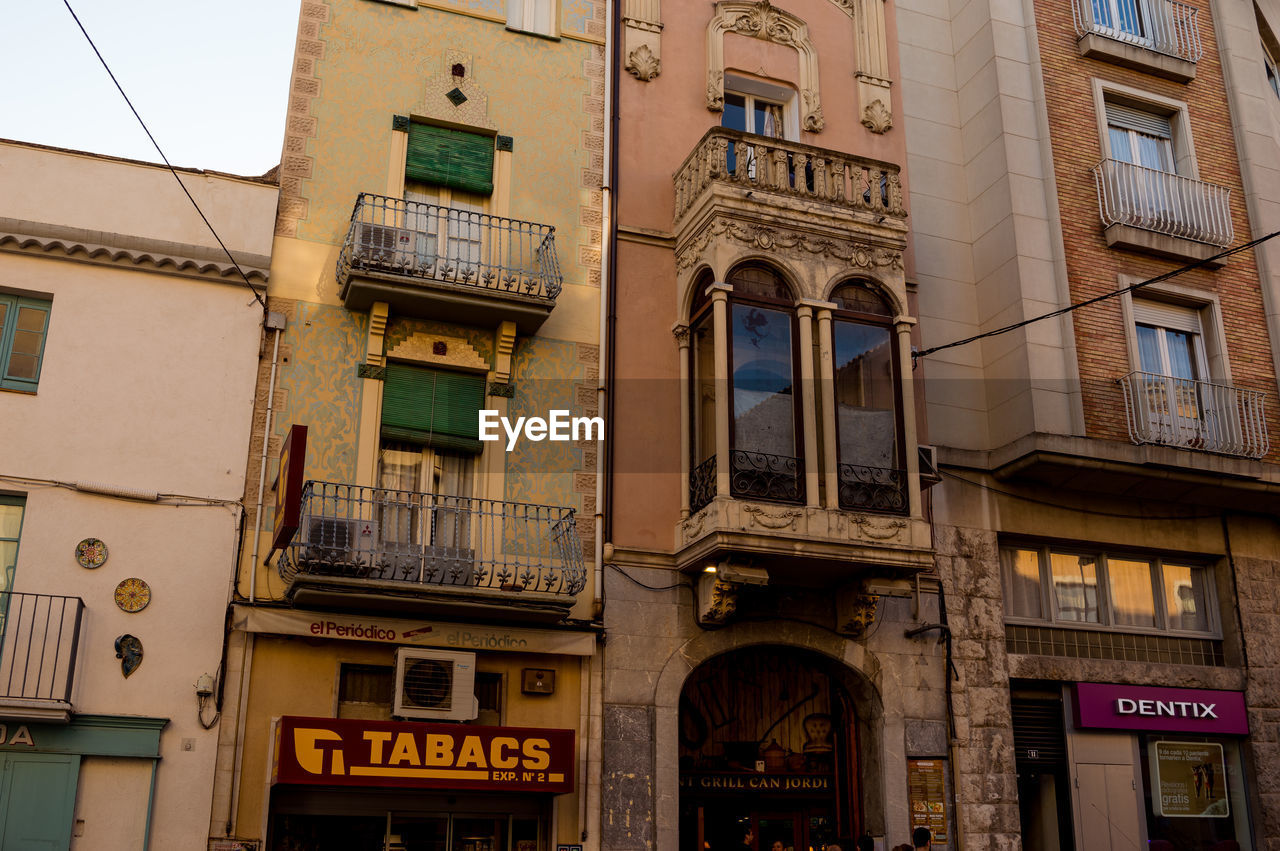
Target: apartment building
(128, 344)
(412, 651)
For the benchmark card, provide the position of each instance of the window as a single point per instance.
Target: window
(1140, 138)
(1273, 76)
(758, 108)
(11, 508)
(1173, 400)
(533, 16)
(1120, 18)
(365, 691)
(24, 323)
(1121, 592)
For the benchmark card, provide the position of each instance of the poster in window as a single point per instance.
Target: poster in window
(1191, 780)
(927, 789)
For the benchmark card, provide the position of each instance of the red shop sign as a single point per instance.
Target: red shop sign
(349, 752)
(1160, 709)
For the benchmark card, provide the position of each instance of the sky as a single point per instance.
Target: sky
(210, 79)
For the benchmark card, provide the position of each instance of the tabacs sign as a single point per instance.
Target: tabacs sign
(349, 752)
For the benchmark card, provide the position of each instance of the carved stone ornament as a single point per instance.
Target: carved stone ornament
(642, 64)
(880, 532)
(781, 519)
(129, 652)
(759, 19)
(717, 600)
(855, 612)
(768, 238)
(877, 118)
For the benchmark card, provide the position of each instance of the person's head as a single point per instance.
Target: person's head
(866, 843)
(777, 845)
(921, 837)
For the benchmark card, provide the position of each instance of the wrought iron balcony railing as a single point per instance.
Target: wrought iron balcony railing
(873, 489)
(1165, 26)
(41, 638)
(428, 242)
(414, 540)
(788, 168)
(1195, 414)
(1163, 202)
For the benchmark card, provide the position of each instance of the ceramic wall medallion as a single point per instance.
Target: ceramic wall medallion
(91, 553)
(133, 595)
(129, 652)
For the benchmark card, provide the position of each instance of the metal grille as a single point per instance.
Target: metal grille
(428, 684)
(452, 246)
(873, 489)
(1164, 26)
(1195, 414)
(41, 635)
(1163, 202)
(702, 484)
(420, 539)
(759, 475)
(1038, 732)
(1113, 646)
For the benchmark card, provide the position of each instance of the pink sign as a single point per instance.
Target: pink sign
(1153, 708)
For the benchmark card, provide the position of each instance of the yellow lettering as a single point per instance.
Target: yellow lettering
(439, 750)
(22, 737)
(405, 750)
(471, 753)
(376, 740)
(310, 757)
(537, 753)
(497, 755)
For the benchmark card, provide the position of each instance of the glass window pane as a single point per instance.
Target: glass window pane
(1121, 147)
(1075, 586)
(735, 112)
(10, 520)
(1149, 359)
(1022, 575)
(866, 421)
(30, 319)
(8, 563)
(1186, 597)
(704, 391)
(763, 403)
(1132, 597)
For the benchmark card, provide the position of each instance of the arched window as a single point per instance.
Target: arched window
(866, 394)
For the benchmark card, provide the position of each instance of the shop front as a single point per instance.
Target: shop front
(359, 785)
(1158, 768)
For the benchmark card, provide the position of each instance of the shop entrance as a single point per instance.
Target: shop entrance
(768, 754)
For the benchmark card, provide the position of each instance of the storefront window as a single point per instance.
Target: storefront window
(1193, 789)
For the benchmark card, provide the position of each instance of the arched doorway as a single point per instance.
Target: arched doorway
(769, 743)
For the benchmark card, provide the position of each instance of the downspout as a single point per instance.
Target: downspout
(274, 321)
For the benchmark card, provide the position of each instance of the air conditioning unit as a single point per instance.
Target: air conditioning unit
(436, 684)
(929, 473)
(381, 245)
(336, 540)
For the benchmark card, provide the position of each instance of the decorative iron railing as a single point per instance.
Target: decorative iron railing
(1195, 415)
(702, 485)
(447, 245)
(41, 638)
(1163, 202)
(758, 475)
(1165, 26)
(872, 489)
(422, 539)
(788, 168)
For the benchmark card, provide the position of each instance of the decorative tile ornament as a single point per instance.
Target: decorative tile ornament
(91, 553)
(129, 652)
(133, 595)
(456, 97)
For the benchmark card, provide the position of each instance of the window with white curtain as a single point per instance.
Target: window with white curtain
(534, 16)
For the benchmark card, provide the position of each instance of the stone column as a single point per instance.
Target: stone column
(720, 324)
(826, 366)
(808, 406)
(681, 333)
(902, 325)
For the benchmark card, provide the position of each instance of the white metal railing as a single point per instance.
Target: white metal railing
(1163, 202)
(1165, 26)
(1195, 414)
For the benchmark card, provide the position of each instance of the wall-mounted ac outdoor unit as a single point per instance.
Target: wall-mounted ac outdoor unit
(383, 245)
(436, 684)
(336, 540)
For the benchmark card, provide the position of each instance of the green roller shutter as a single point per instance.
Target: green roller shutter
(454, 158)
(433, 407)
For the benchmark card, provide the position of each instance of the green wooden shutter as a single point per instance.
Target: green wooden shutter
(37, 800)
(433, 407)
(453, 158)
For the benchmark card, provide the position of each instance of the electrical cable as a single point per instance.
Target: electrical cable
(650, 587)
(156, 144)
(1092, 511)
(916, 356)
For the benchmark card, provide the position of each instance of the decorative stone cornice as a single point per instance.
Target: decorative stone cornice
(134, 252)
(768, 238)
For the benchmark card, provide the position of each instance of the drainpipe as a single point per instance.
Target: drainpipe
(276, 322)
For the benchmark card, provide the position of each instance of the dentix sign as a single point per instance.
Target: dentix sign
(350, 752)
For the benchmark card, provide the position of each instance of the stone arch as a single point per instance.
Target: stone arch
(857, 668)
(759, 19)
(884, 289)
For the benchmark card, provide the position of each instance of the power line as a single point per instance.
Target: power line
(916, 356)
(156, 144)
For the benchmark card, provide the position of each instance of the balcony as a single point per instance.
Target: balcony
(448, 264)
(1197, 415)
(374, 549)
(38, 658)
(744, 172)
(1161, 213)
(1161, 37)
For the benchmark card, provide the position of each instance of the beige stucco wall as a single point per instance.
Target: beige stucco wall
(146, 384)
